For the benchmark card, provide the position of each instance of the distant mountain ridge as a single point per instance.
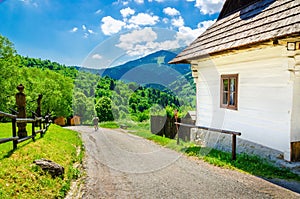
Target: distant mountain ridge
(153, 71)
(159, 58)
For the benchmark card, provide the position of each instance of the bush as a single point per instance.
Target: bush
(104, 110)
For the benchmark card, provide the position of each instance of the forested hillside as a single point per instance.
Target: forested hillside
(130, 100)
(68, 71)
(153, 82)
(70, 91)
(38, 78)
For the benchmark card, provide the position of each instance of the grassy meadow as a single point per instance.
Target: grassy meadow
(20, 178)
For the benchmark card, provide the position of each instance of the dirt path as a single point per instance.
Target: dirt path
(120, 165)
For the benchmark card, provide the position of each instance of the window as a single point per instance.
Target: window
(229, 91)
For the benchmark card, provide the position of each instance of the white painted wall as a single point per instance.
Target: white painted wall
(265, 96)
(295, 130)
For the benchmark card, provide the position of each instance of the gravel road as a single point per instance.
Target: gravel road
(121, 165)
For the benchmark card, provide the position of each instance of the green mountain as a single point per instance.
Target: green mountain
(153, 71)
(154, 64)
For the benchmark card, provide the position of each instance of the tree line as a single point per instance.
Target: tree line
(37, 76)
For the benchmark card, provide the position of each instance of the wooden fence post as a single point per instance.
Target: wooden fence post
(21, 104)
(177, 127)
(40, 124)
(233, 151)
(232, 133)
(14, 133)
(46, 121)
(33, 128)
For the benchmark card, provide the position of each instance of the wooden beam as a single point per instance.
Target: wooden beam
(3, 114)
(25, 120)
(4, 140)
(229, 132)
(210, 129)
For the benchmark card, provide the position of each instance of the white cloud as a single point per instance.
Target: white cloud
(85, 35)
(91, 31)
(143, 42)
(187, 35)
(30, 3)
(132, 26)
(157, 1)
(171, 11)
(126, 12)
(144, 19)
(134, 41)
(86, 32)
(165, 20)
(138, 36)
(110, 25)
(209, 6)
(98, 11)
(75, 29)
(178, 22)
(139, 1)
(206, 24)
(97, 56)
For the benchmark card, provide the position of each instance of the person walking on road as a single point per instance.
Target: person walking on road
(95, 122)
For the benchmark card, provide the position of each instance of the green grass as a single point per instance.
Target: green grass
(246, 163)
(110, 125)
(20, 178)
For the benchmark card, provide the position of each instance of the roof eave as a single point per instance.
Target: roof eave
(183, 61)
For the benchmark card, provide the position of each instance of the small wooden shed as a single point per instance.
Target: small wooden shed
(75, 120)
(246, 67)
(60, 121)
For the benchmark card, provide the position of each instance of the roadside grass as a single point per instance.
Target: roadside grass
(20, 178)
(245, 163)
(110, 125)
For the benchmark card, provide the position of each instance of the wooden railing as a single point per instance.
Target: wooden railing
(233, 133)
(44, 123)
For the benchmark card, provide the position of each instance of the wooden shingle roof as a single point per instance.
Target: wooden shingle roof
(261, 21)
(232, 6)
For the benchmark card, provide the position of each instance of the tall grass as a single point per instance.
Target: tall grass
(20, 178)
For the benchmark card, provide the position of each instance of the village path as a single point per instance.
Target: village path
(121, 165)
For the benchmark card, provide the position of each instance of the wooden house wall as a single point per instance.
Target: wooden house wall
(265, 93)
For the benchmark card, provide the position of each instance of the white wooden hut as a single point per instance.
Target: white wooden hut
(246, 67)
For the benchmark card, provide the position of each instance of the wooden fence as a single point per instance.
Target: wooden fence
(42, 123)
(170, 127)
(165, 126)
(232, 133)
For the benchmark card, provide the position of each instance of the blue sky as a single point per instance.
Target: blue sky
(94, 32)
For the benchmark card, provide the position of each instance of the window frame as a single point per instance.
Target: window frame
(228, 106)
